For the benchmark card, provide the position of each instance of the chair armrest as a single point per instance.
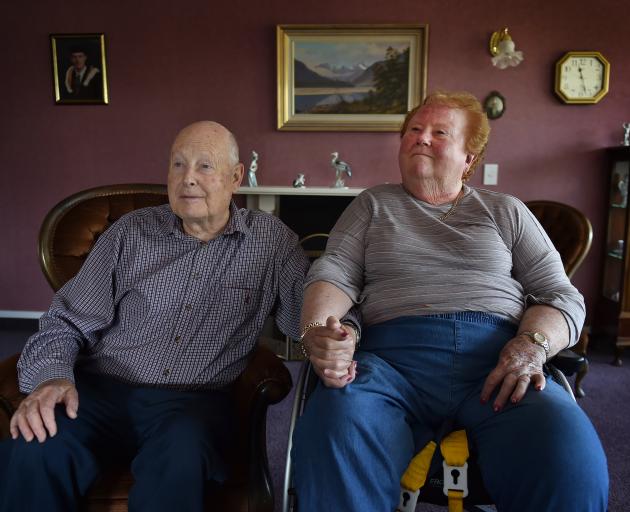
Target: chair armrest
(264, 382)
(10, 396)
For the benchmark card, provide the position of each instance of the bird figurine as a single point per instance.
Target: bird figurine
(340, 167)
(299, 182)
(251, 173)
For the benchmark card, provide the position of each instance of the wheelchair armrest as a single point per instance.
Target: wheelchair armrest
(10, 396)
(568, 362)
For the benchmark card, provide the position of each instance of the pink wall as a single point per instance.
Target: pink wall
(172, 64)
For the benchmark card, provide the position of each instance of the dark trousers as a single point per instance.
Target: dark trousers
(174, 441)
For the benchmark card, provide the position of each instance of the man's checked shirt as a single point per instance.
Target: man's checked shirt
(153, 306)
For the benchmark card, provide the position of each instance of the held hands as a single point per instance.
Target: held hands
(520, 364)
(36, 413)
(331, 348)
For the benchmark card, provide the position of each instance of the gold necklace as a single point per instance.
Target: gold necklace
(453, 206)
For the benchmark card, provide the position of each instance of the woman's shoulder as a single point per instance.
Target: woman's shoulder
(497, 200)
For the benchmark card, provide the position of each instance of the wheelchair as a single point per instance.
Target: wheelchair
(477, 498)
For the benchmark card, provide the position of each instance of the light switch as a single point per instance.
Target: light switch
(490, 174)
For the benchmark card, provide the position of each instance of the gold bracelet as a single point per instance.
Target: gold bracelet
(301, 344)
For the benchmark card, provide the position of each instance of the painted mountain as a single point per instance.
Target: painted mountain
(306, 77)
(379, 88)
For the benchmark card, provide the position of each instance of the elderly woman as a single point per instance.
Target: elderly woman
(463, 298)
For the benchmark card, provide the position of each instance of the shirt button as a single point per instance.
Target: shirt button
(247, 299)
(196, 275)
(178, 339)
(166, 372)
(188, 307)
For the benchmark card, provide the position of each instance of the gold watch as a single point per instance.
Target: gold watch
(538, 338)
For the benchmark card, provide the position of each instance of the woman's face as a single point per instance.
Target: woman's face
(434, 146)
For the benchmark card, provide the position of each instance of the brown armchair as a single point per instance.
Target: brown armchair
(66, 237)
(572, 234)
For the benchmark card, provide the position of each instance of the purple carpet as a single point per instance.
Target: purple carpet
(607, 403)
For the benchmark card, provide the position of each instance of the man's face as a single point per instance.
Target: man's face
(78, 60)
(433, 146)
(201, 179)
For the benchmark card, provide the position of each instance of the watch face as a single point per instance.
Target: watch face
(582, 77)
(540, 338)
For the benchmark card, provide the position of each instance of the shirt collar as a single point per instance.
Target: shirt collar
(235, 224)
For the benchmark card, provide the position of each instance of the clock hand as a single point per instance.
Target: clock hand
(582, 78)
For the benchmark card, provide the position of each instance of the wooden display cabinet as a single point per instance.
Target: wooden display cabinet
(616, 273)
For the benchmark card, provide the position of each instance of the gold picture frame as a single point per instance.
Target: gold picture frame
(350, 77)
(79, 69)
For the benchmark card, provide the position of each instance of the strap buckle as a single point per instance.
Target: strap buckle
(408, 500)
(455, 478)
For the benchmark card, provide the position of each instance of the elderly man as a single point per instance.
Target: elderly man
(464, 298)
(136, 353)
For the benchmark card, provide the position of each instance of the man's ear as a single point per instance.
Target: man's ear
(237, 175)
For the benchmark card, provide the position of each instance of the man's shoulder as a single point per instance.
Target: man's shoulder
(153, 218)
(264, 224)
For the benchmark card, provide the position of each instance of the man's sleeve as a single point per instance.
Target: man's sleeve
(80, 310)
(292, 271)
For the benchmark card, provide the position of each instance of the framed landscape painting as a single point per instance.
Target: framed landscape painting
(349, 77)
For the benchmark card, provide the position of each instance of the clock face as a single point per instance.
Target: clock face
(582, 77)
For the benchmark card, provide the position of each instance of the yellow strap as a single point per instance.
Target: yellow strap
(454, 448)
(416, 474)
(455, 501)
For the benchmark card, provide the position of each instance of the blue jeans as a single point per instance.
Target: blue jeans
(173, 439)
(353, 444)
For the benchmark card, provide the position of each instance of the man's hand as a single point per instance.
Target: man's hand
(36, 413)
(331, 348)
(520, 364)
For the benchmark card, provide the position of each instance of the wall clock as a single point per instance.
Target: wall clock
(582, 77)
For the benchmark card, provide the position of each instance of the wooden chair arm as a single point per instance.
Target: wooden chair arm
(264, 382)
(10, 396)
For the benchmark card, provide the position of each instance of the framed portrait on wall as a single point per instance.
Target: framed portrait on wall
(79, 68)
(349, 77)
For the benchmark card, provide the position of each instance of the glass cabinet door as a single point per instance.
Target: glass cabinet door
(616, 233)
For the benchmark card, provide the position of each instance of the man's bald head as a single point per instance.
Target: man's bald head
(210, 132)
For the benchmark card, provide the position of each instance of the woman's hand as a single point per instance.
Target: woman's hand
(520, 364)
(331, 349)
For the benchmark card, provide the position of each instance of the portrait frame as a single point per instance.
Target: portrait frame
(355, 87)
(79, 69)
(494, 105)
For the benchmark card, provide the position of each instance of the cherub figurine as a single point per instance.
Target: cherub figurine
(340, 167)
(251, 173)
(626, 134)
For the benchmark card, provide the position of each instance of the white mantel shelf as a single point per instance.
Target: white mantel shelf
(301, 191)
(266, 198)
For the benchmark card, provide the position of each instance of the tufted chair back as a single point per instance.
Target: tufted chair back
(568, 228)
(73, 225)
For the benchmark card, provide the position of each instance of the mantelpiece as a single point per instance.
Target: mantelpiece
(267, 198)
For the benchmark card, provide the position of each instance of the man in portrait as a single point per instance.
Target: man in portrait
(82, 80)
